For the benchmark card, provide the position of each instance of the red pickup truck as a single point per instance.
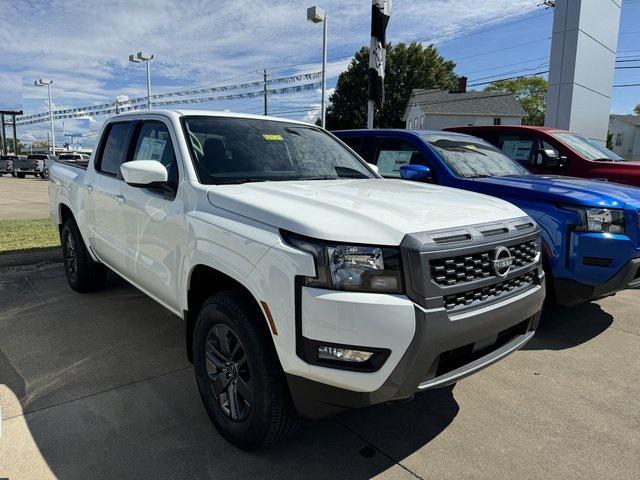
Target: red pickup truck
(558, 152)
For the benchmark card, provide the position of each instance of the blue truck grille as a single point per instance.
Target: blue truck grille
(474, 266)
(486, 293)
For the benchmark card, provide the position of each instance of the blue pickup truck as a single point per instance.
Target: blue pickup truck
(590, 229)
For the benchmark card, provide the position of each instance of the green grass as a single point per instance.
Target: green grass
(27, 234)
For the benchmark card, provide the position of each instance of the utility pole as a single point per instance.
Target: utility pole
(266, 111)
(15, 137)
(3, 139)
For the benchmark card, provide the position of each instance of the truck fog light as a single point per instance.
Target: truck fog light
(326, 352)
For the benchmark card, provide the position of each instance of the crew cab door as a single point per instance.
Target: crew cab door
(153, 216)
(107, 235)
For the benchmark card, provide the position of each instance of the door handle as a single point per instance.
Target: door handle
(119, 198)
(89, 188)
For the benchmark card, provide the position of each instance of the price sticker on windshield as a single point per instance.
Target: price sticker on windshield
(273, 137)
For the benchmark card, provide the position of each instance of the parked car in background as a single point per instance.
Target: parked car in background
(308, 283)
(7, 163)
(37, 164)
(551, 151)
(74, 157)
(590, 229)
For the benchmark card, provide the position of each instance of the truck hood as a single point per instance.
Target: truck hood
(575, 191)
(373, 211)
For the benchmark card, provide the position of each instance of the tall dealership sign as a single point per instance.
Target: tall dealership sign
(380, 13)
(583, 55)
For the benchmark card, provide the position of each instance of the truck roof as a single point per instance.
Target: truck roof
(205, 113)
(402, 131)
(504, 127)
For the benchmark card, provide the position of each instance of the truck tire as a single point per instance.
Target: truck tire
(20, 175)
(241, 383)
(83, 274)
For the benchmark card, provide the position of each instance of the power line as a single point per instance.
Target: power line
(497, 22)
(502, 49)
(509, 78)
(495, 67)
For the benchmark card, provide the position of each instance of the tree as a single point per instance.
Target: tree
(530, 92)
(637, 109)
(408, 67)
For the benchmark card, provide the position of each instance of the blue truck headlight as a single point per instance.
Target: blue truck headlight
(351, 267)
(602, 220)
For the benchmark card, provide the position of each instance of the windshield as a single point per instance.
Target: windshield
(69, 156)
(37, 157)
(589, 149)
(469, 157)
(238, 150)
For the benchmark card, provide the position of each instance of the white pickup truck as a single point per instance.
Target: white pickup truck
(308, 284)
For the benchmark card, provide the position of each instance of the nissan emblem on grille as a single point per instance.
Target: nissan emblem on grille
(501, 262)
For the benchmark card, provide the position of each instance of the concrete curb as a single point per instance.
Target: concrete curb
(30, 257)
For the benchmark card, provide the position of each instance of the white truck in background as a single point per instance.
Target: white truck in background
(308, 284)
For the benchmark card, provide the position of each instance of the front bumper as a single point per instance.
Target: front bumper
(444, 349)
(570, 292)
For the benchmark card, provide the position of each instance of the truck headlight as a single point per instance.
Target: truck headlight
(351, 267)
(602, 220)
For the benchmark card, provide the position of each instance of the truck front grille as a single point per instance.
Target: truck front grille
(487, 293)
(473, 266)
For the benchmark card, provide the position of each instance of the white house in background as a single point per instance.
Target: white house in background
(625, 135)
(436, 109)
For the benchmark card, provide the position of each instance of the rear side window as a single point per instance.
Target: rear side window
(114, 148)
(356, 145)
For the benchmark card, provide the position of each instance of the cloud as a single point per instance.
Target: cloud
(83, 45)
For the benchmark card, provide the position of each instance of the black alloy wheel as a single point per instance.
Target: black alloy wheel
(70, 256)
(229, 373)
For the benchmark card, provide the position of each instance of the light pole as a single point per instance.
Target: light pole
(47, 83)
(144, 57)
(318, 15)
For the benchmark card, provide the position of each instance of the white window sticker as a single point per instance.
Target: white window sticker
(517, 149)
(151, 149)
(390, 161)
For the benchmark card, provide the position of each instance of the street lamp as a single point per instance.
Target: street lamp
(144, 57)
(47, 83)
(318, 15)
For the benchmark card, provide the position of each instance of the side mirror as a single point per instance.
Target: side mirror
(419, 173)
(373, 167)
(548, 157)
(144, 173)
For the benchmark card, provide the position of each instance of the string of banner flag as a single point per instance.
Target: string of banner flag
(134, 104)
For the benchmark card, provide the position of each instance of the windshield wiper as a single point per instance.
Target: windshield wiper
(319, 177)
(480, 176)
(237, 181)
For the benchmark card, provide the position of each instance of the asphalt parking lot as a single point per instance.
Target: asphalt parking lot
(98, 386)
(23, 197)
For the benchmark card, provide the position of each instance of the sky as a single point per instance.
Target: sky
(83, 46)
